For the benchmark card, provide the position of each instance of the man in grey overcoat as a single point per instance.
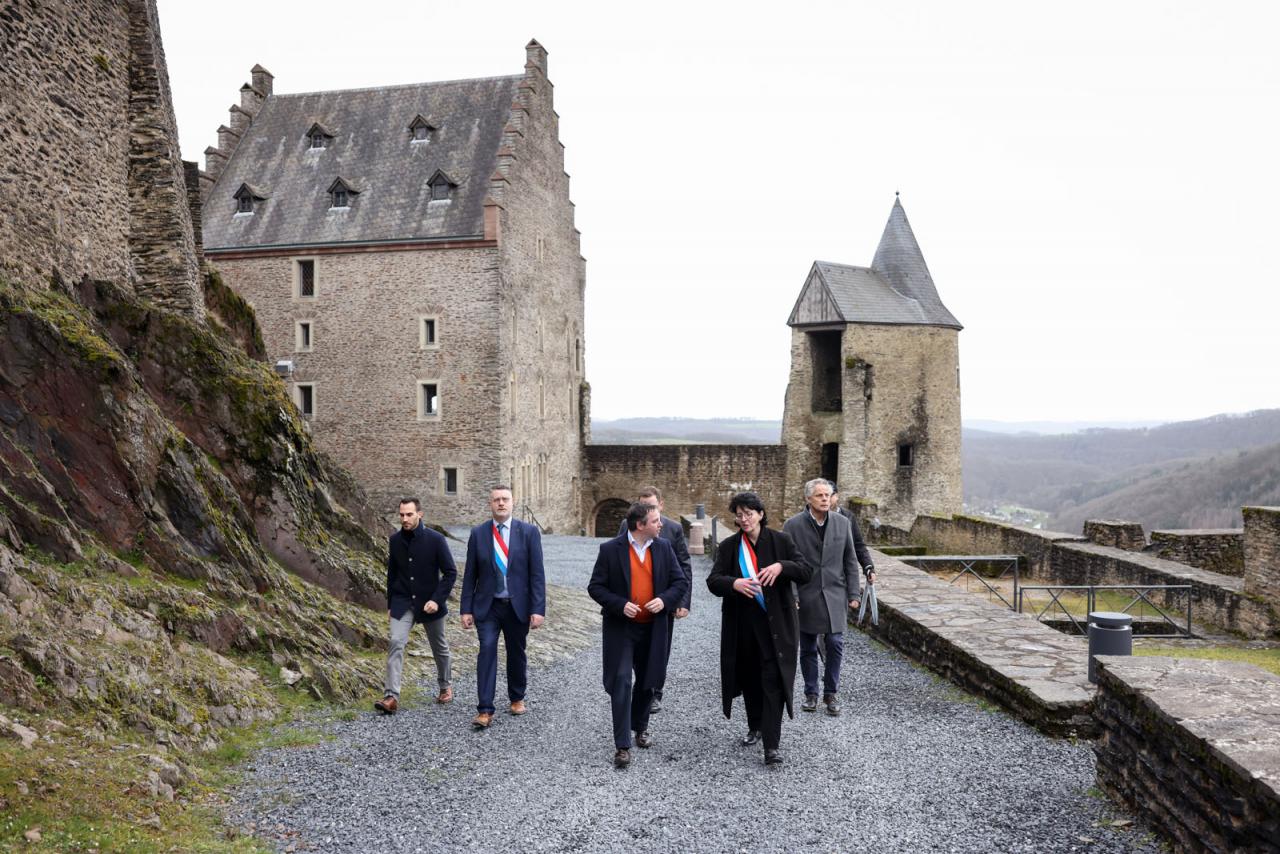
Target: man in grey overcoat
(832, 545)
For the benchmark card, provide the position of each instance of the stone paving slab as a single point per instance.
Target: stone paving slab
(1036, 672)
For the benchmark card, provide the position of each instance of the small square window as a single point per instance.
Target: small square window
(302, 338)
(306, 278)
(906, 455)
(450, 481)
(306, 399)
(245, 204)
(319, 140)
(428, 333)
(420, 132)
(428, 400)
(341, 199)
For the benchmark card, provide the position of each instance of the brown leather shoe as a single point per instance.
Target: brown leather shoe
(482, 720)
(445, 695)
(387, 705)
(643, 739)
(518, 707)
(621, 758)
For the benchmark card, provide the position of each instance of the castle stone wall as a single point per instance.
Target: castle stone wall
(970, 535)
(900, 386)
(1121, 535)
(1262, 553)
(687, 475)
(1217, 550)
(88, 81)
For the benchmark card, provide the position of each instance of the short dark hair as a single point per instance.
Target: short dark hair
(650, 492)
(417, 505)
(750, 501)
(637, 513)
(503, 487)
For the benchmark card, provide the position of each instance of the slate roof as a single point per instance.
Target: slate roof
(371, 150)
(895, 289)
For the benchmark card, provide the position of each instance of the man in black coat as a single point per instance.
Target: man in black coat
(420, 574)
(672, 532)
(635, 579)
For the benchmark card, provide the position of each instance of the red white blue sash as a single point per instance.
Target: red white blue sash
(500, 553)
(750, 568)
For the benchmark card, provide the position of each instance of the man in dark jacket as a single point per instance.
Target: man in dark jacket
(420, 574)
(672, 532)
(635, 579)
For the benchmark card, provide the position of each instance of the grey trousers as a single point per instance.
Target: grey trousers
(400, 638)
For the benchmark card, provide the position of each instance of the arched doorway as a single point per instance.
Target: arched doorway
(609, 516)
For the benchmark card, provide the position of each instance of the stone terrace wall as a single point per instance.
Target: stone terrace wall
(971, 535)
(1217, 550)
(1262, 553)
(687, 475)
(91, 183)
(1194, 747)
(1121, 535)
(1217, 599)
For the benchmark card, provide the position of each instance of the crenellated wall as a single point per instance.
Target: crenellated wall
(1217, 550)
(91, 182)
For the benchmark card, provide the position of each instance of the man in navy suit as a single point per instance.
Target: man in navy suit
(635, 579)
(672, 532)
(504, 590)
(420, 574)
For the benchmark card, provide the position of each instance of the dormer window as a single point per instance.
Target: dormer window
(248, 197)
(319, 136)
(441, 186)
(420, 129)
(341, 193)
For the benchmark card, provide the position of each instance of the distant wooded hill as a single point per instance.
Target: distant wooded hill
(668, 431)
(1191, 474)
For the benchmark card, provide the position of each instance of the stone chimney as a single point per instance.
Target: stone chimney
(261, 80)
(536, 56)
(250, 99)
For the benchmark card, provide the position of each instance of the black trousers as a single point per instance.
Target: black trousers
(630, 704)
(761, 681)
(662, 681)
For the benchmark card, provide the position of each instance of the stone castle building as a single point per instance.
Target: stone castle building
(411, 250)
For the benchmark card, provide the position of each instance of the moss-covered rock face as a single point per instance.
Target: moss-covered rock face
(168, 532)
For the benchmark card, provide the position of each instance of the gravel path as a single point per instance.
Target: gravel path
(912, 764)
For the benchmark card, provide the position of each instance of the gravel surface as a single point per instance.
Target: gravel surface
(912, 764)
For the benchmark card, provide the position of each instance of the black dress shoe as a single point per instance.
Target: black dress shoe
(621, 758)
(751, 738)
(810, 703)
(772, 757)
(833, 707)
(643, 739)
(655, 706)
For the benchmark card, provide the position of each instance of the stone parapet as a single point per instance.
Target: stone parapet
(1038, 674)
(971, 535)
(1120, 535)
(1218, 550)
(1262, 553)
(1193, 746)
(1218, 600)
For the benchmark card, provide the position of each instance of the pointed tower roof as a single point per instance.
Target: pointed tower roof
(901, 263)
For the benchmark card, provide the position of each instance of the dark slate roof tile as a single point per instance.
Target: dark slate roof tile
(372, 152)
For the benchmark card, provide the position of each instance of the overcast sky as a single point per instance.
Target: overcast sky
(1094, 185)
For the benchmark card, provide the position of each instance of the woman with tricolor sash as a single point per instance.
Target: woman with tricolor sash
(756, 573)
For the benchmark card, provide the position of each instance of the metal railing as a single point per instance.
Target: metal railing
(966, 564)
(526, 515)
(1141, 593)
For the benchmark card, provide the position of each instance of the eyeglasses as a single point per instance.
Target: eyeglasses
(746, 514)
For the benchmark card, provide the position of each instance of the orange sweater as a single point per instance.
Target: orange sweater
(641, 582)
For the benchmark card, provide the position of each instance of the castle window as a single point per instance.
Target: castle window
(420, 129)
(302, 336)
(304, 395)
(450, 477)
(341, 194)
(319, 137)
(906, 455)
(441, 186)
(304, 278)
(826, 376)
(428, 400)
(247, 198)
(829, 464)
(427, 333)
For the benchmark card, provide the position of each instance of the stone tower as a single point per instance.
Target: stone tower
(873, 401)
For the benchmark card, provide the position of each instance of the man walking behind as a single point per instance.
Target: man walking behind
(673, 532)
(504, 590)
(635, 579)
(420, 575)
(827, 542)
